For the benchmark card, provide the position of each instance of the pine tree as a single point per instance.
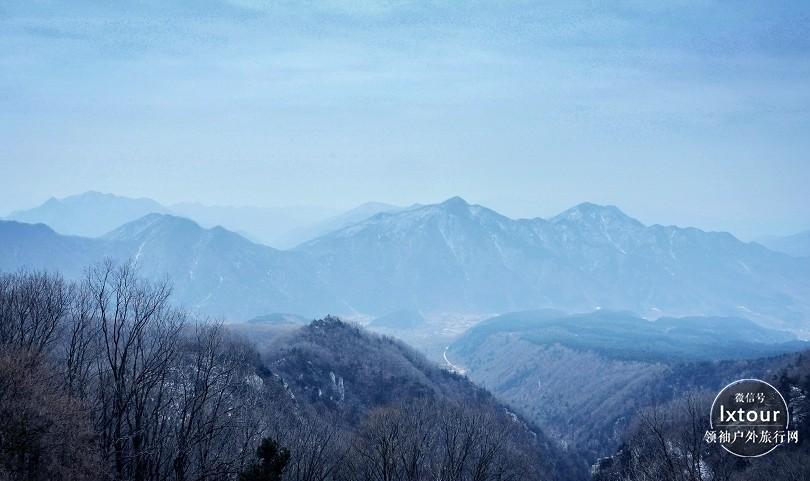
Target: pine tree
(270, 466)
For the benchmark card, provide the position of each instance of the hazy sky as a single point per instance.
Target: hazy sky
(695, 113)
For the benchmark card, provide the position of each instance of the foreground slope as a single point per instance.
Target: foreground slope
(142, 391)
(657, 436)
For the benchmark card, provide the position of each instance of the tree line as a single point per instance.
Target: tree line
(104, 379)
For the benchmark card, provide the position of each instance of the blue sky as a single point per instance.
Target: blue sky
(693, 113)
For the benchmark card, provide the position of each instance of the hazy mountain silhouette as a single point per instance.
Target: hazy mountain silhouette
(93, 214)
(452, 257)
(317, 229)
(213, 270)
(455, 256)
(266, 225)
(38, 246)
(797, 245)
(90, 214)
(221, 272)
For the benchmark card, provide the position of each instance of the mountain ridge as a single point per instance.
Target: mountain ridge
(459, 257)
(93, 213)
(214, 271)
(587, 257)
(797, 245)
(89, 214)
(357, 214)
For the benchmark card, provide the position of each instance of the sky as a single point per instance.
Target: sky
(680, 112)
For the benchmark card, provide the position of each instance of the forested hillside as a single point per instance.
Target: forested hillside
(105, 379)
(665, 441)
(582, 377)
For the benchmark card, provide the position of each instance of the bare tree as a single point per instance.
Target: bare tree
(666, 443)
(435, 440)
(44, 434)
(104, 379)
(473, 444)
(81, 346)
(377, 446)
(317, 447)
(32, 307)
(210, 393)
(139, 332)
(417, 439)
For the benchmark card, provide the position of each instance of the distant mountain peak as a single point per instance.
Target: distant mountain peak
(150, 223)
(588, 211)
(95, 196)
(797, 245)
(453, 205)
(92, 193)
(89, 214)
(455, 201)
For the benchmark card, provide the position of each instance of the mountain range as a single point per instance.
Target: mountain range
(213, 271)
(797, 245)
(455, 256)
(92, 214)
(446, 257)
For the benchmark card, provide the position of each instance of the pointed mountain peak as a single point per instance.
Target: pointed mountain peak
(454, 205)
(455, 201)
(588, 212)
